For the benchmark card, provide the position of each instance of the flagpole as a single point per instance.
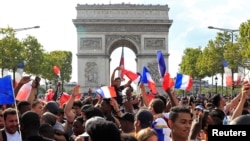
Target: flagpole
(121, 65)
(17, 113)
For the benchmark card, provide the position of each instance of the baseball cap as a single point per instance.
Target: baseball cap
(127, 117)
(145, 117)
(199, 107)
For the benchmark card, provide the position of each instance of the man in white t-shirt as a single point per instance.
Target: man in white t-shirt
(11, 131)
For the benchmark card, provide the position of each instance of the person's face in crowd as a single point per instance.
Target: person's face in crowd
(77, 128)
(105, 106)
(129, 91)
(223, 101)
(11, 123)
(118, 82)
(198, 111)
(77, 110)
(1, 120)
(181, 126)
(38, 109)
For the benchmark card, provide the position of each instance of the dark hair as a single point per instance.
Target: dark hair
(93, 111)
(174, 112)
(79, 119)
(216, 100)
(145, 117)
(158, 105)
(163, 98)
(77, 103)
(204, 118)
(46, 130)
(9, 111)
(30, 121)
(21, 105)
(102, 130)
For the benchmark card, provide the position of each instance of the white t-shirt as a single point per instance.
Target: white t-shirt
(13, 137)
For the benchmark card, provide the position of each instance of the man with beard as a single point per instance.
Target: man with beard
(10, 131)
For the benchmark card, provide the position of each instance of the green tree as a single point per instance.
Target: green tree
(11, 50)
(33, 56)
(189, 59)
(244, 43)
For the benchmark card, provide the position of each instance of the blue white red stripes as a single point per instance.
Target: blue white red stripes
(106, 92)
(183, 82)
(147, 79)
(228, 73)
(161, 63)
(135, 77)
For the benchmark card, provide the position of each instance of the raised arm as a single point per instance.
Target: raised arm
(172, 97)
(144, 95)
(68, 108)
(113, 76)
(245, 90)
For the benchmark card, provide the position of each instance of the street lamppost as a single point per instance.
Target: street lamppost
(232, 41)
(216, 80)
(14, 69)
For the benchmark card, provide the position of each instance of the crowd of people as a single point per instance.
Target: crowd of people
(121, 118)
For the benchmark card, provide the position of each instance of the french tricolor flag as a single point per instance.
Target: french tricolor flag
(161, 63)
(228, 73)
(167, 82)
(135, 77)
(147, 79)
(106, 91)
(183, 82)
(121, 74)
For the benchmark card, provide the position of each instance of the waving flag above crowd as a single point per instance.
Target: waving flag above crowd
(228, 73)
(161, 63)
(147, 79)
(183, 82)
(135, 77)
(121, 74)
(6, 91)
(167, 82)
(106, 92)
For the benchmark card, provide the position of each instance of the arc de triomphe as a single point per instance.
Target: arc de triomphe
(103, 28)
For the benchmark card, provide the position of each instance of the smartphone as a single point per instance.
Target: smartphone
(37, 80)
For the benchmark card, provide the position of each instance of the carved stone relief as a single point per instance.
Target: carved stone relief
(153, 69)
(90, 43)
(91, 73)
(111, 38)
(154, 43)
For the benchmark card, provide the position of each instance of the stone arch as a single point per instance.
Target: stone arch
(129, 43)
(103, 28)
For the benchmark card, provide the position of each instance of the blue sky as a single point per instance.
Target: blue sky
(189, 29)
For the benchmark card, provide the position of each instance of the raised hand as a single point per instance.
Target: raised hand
(76, 91)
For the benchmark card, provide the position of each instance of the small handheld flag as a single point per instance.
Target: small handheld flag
(135, 77)
(106, 92)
